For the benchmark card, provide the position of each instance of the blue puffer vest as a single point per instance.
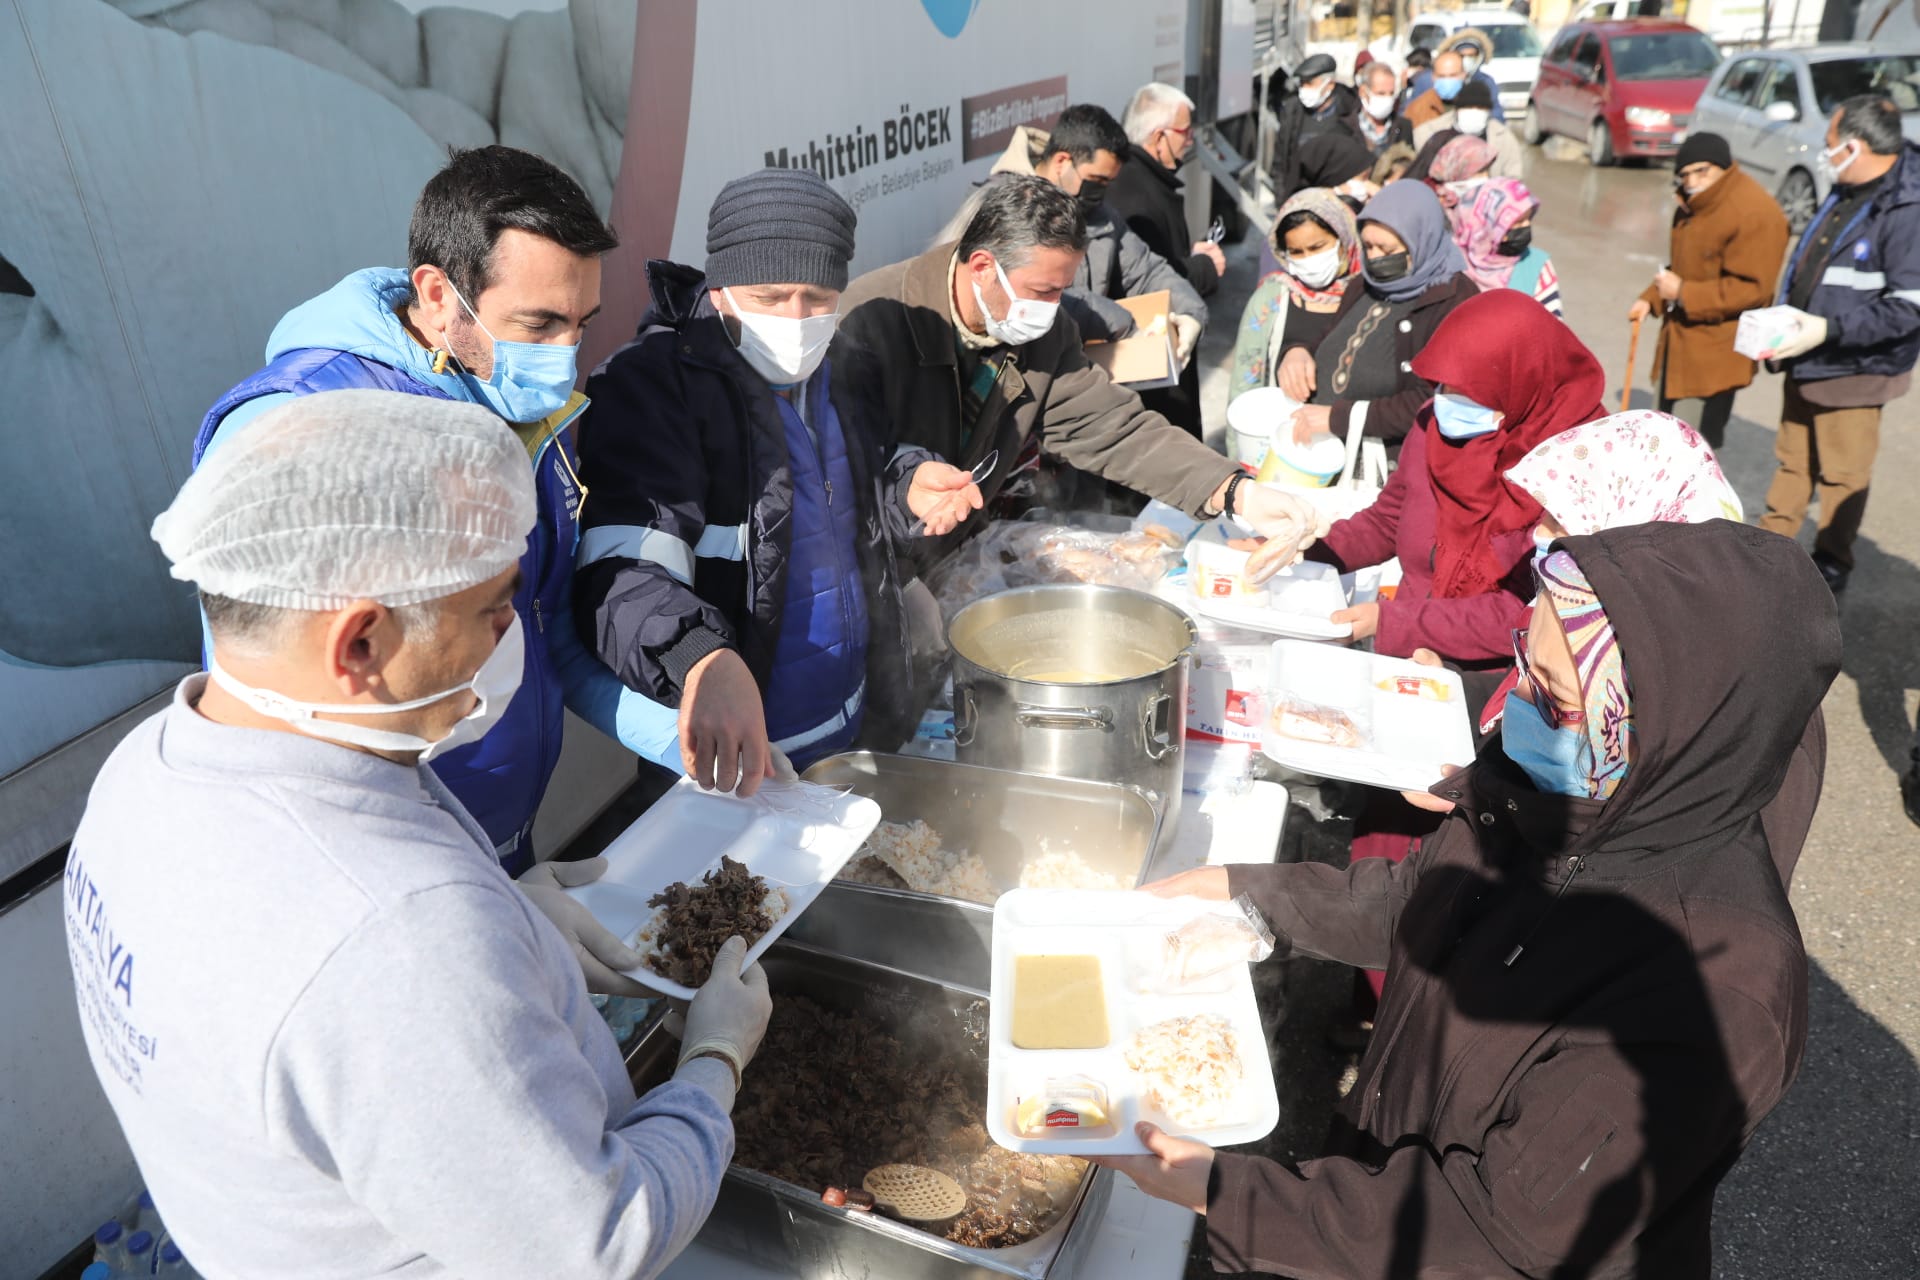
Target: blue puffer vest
(815, 695)
(502, 777)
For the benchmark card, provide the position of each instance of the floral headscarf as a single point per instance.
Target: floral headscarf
(1332, 212)
(1631, 468)
(1482, 222)
(1460, 159)
(1601, 670)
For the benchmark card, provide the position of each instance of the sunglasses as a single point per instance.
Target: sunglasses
(1550, 711)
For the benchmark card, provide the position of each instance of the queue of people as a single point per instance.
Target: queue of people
(409, 564)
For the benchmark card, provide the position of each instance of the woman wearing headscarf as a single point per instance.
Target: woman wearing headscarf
(1596, 987)
(1455, 168)
(1362, 368)
(1317, 245)
(1338, 160)
(1494, 229)
(1638, 467)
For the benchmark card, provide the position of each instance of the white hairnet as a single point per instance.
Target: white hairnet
(353, 495)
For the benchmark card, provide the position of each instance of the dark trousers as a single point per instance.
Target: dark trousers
(1708, 416)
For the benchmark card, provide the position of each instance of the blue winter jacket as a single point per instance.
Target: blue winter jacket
(1869, 288)
(351, 336)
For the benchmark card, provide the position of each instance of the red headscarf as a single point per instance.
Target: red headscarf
(1506, 351)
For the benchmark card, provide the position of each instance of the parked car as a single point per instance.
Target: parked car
(1772, 107)
(1625, 88)
(1513, 62)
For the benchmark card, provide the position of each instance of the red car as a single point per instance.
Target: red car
(1625, 88)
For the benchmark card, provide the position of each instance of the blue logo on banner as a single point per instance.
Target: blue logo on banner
(950, 16)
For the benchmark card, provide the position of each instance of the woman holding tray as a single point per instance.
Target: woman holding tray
(1597, 989)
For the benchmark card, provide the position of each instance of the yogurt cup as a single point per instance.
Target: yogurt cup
(1218, 572)
(1314, 465)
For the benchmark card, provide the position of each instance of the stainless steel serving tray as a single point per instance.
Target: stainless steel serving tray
(787, 1229)
(1007, 818)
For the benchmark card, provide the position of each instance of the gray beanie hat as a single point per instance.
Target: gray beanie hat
(779, 226)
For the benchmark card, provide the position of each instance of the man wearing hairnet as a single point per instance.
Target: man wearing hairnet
(503, 277)
(339, 1041)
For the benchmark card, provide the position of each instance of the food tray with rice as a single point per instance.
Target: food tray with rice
(970, 833)
(702, 865)
(1364, 717)
(1112, 1008)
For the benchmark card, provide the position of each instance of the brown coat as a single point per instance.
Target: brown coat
(898, 335)
(1428, 106)
(1728, 244)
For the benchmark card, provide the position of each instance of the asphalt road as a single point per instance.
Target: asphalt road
(1831, 1184)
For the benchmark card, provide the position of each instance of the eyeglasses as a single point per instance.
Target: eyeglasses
(1552, 712)
(1185, 133)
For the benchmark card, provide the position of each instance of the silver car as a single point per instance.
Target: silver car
(1772, 107)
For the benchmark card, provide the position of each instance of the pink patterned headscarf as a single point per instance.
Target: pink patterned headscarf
(1481, 223)
(1631, 468)
(1601, 670)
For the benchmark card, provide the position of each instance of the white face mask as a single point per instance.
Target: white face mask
(493, 686)
(1311, 98)
(781, 349)
(1469, 63)
(1378, 108)
(1834, 168)
(1317, 270)
(1472, 119)
(1027, 318)
(1463, 190)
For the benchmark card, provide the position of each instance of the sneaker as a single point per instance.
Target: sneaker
(1833, 571)
(1910, 792)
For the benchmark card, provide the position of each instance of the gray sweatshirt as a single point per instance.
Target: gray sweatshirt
(340, 1040)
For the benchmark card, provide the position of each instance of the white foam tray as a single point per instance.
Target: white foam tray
(1408, 739)
(1301, 601)
(1106, 924)
(795, 834)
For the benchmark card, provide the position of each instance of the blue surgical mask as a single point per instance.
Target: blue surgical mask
(531, 380)
(1462, 419)
(1549, 757)
(1447, 86)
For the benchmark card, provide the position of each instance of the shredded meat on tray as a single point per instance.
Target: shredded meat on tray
(695, 921)
(831, 1095)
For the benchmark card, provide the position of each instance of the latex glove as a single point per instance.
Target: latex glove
(780, 769)
(1810, 333)
(1289, 523)
(1298, 377)
(601, 955)
(723, 727)
(942, 495)
(1176, 1171)
(1186, 336)
(729, 1014)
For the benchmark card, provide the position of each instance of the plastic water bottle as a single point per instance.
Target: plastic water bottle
(140, 1253)
(171, 1262)
(142, 1215)
(110, 1246)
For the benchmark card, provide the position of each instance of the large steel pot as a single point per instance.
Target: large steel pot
(1077, 681)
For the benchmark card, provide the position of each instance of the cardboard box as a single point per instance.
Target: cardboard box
(1146, 360)
(1764, 329)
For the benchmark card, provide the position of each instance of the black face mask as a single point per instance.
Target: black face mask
(1389, 267)
(1515, 242)
(1093, 194)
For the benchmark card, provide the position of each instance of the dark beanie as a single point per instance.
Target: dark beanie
(779, 226)
(1317, 65)
(1710, 148)
(1474, 93)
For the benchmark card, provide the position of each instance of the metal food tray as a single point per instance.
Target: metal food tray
(787, 1229)
(1006, 818)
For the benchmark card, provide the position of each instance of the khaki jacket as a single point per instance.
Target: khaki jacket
(898, 336)
(1728, 243)
(1506, 147)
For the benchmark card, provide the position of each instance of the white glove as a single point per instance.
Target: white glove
(1288, 522)
(601, 955)
(783, 770)
(729, 1014)
(1809, 332)
(1186, 336)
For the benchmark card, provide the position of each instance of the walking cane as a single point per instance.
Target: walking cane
(1633, 349)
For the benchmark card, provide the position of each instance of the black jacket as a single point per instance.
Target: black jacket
(1337, 115)
(1152, 200)
(683, 439)
(1589, 1005)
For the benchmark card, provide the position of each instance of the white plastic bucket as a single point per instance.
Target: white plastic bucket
(1253, 417)
(1313, 465)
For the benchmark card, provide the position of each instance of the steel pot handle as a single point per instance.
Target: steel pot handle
(964, 719)
(1036, 717)
(1163, 742)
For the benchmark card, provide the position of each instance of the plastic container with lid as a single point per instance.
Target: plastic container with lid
(1313, 465)
(1255, 418)
(110, 1244)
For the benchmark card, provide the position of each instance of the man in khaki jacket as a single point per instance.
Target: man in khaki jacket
(1729, 238)
(969, 352)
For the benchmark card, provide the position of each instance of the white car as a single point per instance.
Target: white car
(1514, 61)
